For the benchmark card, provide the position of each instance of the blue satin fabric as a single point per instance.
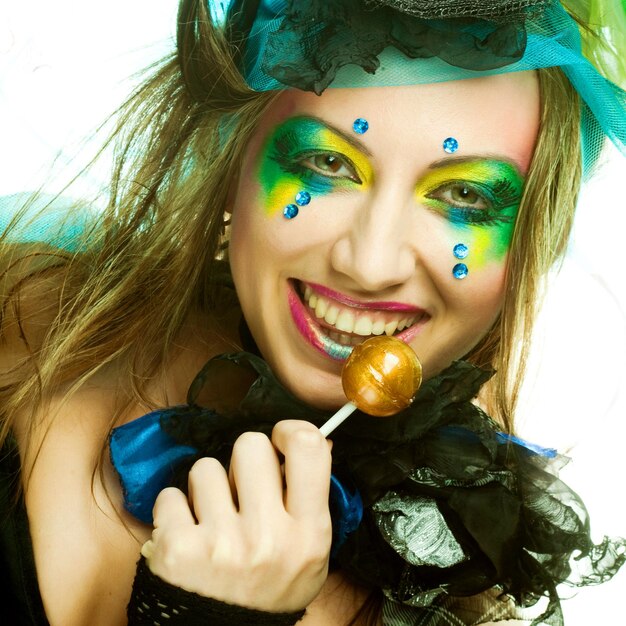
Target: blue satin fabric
(347, 508)
(145, 458)
(532, 448)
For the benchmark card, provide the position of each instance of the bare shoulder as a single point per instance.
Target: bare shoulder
(79, 529)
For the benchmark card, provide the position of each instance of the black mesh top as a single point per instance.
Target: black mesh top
(19, 589)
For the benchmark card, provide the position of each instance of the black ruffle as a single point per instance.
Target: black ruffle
(490, 509)
(317, 38)
(496, 10)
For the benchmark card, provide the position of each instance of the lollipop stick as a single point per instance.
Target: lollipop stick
(346, 410)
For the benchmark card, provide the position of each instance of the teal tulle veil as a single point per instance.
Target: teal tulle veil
(544, 36)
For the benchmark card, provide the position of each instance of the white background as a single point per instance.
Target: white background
(65, 65)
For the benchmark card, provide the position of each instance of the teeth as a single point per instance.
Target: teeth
(403, 324)
(332, 314)
(320, 308)
(335, 336)
(390, 328)
(363, 326)
(344, 340)
(378, 327)
(345, 322)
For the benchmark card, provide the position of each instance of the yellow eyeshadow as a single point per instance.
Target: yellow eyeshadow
(481, 247)
(473, 171)
(330, 141)
(282, 195)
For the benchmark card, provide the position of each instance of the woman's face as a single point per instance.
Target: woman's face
(373, 251)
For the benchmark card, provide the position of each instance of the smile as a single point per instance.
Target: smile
(334, 323)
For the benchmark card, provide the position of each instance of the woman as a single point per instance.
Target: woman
(429, 209)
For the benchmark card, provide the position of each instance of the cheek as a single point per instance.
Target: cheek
(277, 189)
(263, 238)
(469, 308)
(485, 298)
(485, 247)
(244, 209)
(474, 301)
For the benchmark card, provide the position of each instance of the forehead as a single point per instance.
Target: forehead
(492, 115)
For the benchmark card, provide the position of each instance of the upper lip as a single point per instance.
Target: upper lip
(362, 304)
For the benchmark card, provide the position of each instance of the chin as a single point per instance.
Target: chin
(319, 389)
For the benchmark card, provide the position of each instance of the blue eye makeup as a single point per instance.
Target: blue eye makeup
(305, 153)
(479, 197)
(478, 204)
(477, 192)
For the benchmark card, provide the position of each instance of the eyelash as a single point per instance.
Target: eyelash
(476, 217)
(286, 155)
(499, 196)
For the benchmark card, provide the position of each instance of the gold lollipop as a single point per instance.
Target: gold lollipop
(380, 377)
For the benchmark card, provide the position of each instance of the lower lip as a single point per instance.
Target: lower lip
(311, 331)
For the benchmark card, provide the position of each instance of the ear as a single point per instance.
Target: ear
(227, 215)
(230, 200)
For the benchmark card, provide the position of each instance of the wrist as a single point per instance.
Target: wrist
(152, 598)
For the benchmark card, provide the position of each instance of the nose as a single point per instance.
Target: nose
(377, 253)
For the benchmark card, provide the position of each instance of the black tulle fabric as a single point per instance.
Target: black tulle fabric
(500, 10)
(453, 507)
(317, 38)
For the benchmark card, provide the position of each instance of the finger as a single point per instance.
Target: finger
(307, 467)
(171, 508)
(147, 549)
(256, 475)
(209, 491)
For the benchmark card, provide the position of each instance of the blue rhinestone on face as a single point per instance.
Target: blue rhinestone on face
(360, 126)
(460, 271)
(450, 145)
(460, 251)
(290, 211)
(303, 198)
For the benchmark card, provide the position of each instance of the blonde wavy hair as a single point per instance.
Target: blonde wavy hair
(150, 258)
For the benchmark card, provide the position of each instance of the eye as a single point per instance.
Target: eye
(331, 165)
(460, 195)
(464, 194)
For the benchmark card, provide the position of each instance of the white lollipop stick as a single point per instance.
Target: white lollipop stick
(346, 410)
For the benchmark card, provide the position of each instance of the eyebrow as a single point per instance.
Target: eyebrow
(353, 141)
(475, 157)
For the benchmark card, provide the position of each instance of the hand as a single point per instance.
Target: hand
(251, 538)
